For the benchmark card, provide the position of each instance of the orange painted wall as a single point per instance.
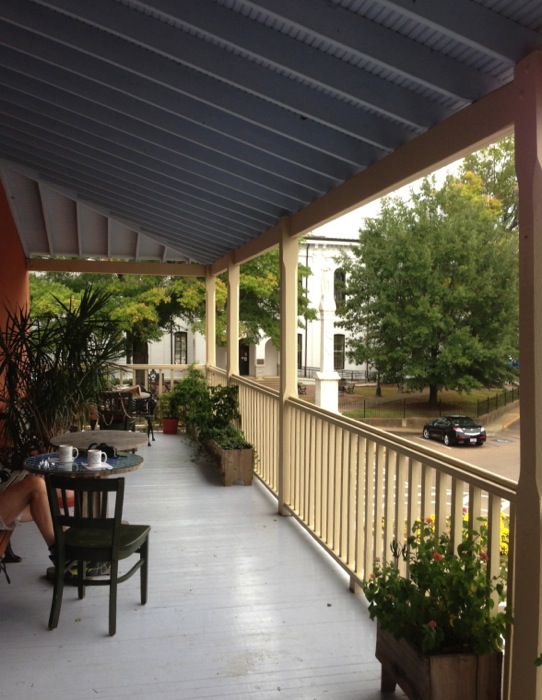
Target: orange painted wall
(14, 285)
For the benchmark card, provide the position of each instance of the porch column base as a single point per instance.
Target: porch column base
(326, 391)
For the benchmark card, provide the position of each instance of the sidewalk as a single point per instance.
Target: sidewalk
(502, 422)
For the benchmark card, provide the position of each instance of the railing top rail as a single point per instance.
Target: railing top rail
(256, 385)
(180, 368)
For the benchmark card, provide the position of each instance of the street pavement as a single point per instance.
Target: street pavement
(499, 455)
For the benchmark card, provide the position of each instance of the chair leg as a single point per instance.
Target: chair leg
(144, 574)
(150, 431)
(81, 569)
(57, 596)
(113, 598)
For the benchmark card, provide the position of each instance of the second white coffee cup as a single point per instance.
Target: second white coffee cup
(67, 453)
(95, 458)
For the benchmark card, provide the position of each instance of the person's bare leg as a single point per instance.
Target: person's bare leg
(28, 499)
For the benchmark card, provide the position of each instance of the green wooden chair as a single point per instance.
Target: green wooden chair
(88, 535)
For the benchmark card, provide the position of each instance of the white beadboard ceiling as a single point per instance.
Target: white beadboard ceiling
(179, 130)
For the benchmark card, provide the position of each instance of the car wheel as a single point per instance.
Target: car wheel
(446, 440)
(426, 433)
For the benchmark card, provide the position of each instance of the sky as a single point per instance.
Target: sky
(348, 226)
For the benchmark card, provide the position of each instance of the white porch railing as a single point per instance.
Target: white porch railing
(355, 488)
(166, 375)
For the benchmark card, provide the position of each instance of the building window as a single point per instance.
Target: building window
(338, 351)
(180, 356)
(339, 287)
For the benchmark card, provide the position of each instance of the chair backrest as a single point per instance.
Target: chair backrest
(144, 406)
(97, 505)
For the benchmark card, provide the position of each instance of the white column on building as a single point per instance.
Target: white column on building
(526, 678)
(327, 379)
(259, 359)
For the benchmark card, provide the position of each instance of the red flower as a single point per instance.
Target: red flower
(438, 556)
(432, 624)
(483, 556)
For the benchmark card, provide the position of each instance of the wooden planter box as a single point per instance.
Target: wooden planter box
(236, 465)
(438, 676)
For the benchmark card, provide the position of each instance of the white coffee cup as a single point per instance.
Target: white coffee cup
(95, 458)
(67, 453)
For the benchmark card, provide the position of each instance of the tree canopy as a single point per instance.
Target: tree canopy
(495, 166)
(145, 307)
(432, 288)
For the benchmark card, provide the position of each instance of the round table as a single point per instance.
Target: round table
(48, 464)
(122, 440)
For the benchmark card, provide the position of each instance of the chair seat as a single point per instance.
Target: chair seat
(87, 544)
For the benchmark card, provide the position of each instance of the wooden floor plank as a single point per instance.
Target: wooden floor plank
(242, 604)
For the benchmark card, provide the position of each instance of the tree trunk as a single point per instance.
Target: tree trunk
(433, 395)
(140, 356)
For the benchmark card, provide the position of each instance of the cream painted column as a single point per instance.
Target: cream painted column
(288, 358)
(232, 341)
(210, 320)
(526, 679)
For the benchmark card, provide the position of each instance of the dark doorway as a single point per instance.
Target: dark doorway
(244, 364)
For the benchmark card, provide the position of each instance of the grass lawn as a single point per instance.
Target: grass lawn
(364, 403)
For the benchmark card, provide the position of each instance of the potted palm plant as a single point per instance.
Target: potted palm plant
(440, 633)
(52, 368)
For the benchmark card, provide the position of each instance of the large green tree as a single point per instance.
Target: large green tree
(142, 306)
(145, 306)
(432, 289)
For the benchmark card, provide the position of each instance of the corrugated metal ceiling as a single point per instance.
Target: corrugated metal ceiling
(179, 130)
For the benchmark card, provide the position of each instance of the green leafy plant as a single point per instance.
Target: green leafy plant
(209, 412)
(167, 410)
(230, 438)
(214, 417)
(189, 391)
(52, 367)
(447, 602)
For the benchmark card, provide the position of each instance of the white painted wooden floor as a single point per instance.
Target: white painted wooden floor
(241, 605)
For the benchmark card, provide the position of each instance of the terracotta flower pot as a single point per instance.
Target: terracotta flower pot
(170, 426)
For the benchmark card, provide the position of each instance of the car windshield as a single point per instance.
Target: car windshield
(462, 422)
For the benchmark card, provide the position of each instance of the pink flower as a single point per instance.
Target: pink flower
(432, 624)
(438, 556)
